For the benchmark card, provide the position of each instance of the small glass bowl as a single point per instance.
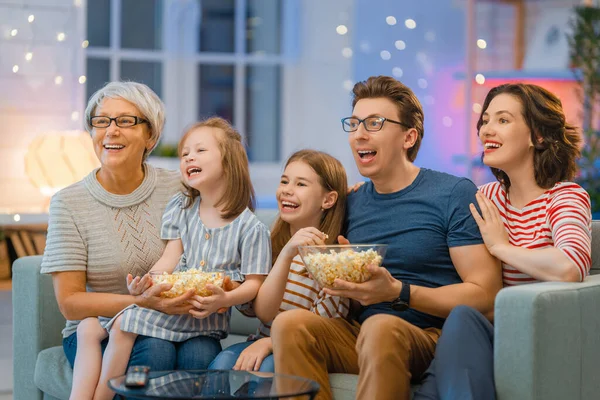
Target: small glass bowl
(191, 279)
(348, 262)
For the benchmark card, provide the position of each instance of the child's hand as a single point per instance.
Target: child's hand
(228, 286)
(252, 357)
(137, 285)
(205, 306)
(309, 236)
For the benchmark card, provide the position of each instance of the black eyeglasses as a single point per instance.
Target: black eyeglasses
(123, 121)
(371, 124)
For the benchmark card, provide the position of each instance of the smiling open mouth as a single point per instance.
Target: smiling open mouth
(289, 205)
(114, 146)
(366, 154)
(489, 146)
(193, 171)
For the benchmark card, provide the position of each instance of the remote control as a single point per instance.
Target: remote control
(137, 376)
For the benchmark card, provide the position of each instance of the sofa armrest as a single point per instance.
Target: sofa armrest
(547, 341)
(37, 322)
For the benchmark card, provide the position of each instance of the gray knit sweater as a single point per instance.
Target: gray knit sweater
(105, 234)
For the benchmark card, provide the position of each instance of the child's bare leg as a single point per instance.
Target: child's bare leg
(88, 359)
(115, 360)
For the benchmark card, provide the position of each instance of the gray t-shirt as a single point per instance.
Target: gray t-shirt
(108, 235)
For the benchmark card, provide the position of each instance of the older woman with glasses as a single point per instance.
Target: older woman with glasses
(108, 226)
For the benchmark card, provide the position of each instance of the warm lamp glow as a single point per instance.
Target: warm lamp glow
(55, 160)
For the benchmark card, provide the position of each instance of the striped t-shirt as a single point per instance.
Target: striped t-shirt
(301, 291)
(560, 218)
(242, 247)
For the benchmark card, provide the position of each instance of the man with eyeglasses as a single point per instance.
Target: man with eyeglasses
(435, 260)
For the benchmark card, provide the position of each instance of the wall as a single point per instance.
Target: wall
(30, 101)
(315, 93)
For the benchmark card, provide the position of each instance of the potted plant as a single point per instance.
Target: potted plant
(165, 156)
(584, 49)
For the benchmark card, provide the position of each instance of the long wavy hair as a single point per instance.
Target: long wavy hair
(332, 177)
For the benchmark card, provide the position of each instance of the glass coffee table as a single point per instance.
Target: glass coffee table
(218, 385)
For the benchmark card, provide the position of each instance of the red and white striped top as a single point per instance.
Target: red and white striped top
(560, 217)
(302, 291)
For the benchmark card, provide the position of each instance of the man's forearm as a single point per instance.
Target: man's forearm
(440, 301)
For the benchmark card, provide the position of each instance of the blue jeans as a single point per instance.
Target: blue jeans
(228, 357)
(463, 367)
(159, 354)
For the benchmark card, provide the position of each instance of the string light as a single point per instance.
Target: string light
(347, 52)
(400, 45)
(410, 23)
(397, 72)
(58, 80)
(61, 36)
(477, 108)
(15, 68)
(365, 47)
(390, 20)
(16, 217)
(31, 18)
(482, 44)
(385, 55)
(341, 29)
(74, 116)
(479, 78)
(14, 32)
(422, 83)
(28, 56)
(82, 79)
(85, 44)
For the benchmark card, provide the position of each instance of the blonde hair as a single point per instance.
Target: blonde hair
(332, 177)
(138, 94)
(239, 193)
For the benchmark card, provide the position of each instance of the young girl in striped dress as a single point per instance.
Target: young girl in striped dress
(533, 219)
(312, 200)
(208, 226)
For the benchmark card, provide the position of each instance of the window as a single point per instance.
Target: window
(202, 57)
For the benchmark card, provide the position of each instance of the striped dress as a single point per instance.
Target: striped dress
(242, 247)
(301, 291)
(560, 218)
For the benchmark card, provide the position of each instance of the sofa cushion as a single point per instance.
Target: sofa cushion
(53, 374)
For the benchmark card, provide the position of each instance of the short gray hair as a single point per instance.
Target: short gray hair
(138, 94)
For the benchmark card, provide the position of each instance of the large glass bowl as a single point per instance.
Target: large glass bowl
(348, 262)
(191, 279)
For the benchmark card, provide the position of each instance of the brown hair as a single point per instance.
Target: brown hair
(410, 110)
(555, 155)
(332, 177)
(239, 193)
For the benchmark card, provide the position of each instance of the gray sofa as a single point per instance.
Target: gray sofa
(547, 339)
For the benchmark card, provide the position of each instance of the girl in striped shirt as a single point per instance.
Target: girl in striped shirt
(533, 219)
(210, 225)
(312, 200)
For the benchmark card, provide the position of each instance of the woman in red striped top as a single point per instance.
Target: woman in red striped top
(533, 219)
(312, 202)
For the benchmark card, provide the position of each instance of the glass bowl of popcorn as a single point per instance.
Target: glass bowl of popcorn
(348, 262)
(192, 278)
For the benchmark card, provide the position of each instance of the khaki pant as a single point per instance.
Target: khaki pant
(387, 351)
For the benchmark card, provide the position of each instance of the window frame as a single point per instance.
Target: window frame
(179, 81)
